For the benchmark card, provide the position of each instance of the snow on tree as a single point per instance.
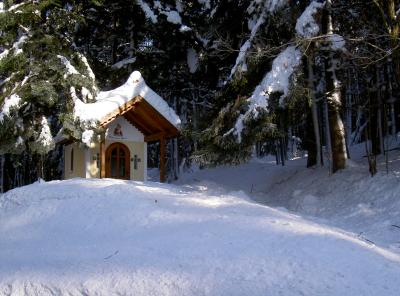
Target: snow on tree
(9, 103)
(45, 141)
(39, 63)
(172, 14)
(258, 11)
(275, 81)
(192, 60)
(253, 72)
(306, 25)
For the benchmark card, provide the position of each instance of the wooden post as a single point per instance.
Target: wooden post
(102, 157)
(162, 159)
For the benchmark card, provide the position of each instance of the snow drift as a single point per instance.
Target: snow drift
(90, 237)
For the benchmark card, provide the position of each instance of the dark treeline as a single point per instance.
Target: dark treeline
(242, 75)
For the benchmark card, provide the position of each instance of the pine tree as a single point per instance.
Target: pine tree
(39, 67)
(213, 62)
(242, 122)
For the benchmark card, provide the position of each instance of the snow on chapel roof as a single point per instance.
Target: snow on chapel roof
(109, 101)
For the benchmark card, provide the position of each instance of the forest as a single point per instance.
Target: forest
(246, 77)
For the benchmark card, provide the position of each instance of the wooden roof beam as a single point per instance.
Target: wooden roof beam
(153, 116)
(138, 124)
(120, 111)
(154, 137)
(148, 119)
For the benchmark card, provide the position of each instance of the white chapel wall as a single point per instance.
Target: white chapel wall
(120, 130)
(87, 160)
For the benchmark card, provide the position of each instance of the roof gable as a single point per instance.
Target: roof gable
(123, 98)
(144, 117)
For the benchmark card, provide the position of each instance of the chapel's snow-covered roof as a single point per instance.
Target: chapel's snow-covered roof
(109, 101)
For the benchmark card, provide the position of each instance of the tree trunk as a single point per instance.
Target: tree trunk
(373, 115)
(391, 99)
(309, 141)
(379, 100)
(349, 106)
(314, 112)
(162, 160)
(194, 121)
(394, 35)
(176, 158)
(333, 97)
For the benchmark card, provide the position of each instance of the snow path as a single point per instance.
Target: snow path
(112, 237)
(349, 199)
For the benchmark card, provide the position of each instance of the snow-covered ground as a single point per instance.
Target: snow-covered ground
(112, 237)
(350, 199)
(213, 233)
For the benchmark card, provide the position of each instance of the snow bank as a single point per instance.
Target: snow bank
(113, 237)
(108, 101)
(350, 199)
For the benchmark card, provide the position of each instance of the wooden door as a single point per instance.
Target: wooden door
(118, 161)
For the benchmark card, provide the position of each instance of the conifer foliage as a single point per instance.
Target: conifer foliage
(39, 66)
(241, 74)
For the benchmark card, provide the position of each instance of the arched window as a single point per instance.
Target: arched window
(72, 159)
